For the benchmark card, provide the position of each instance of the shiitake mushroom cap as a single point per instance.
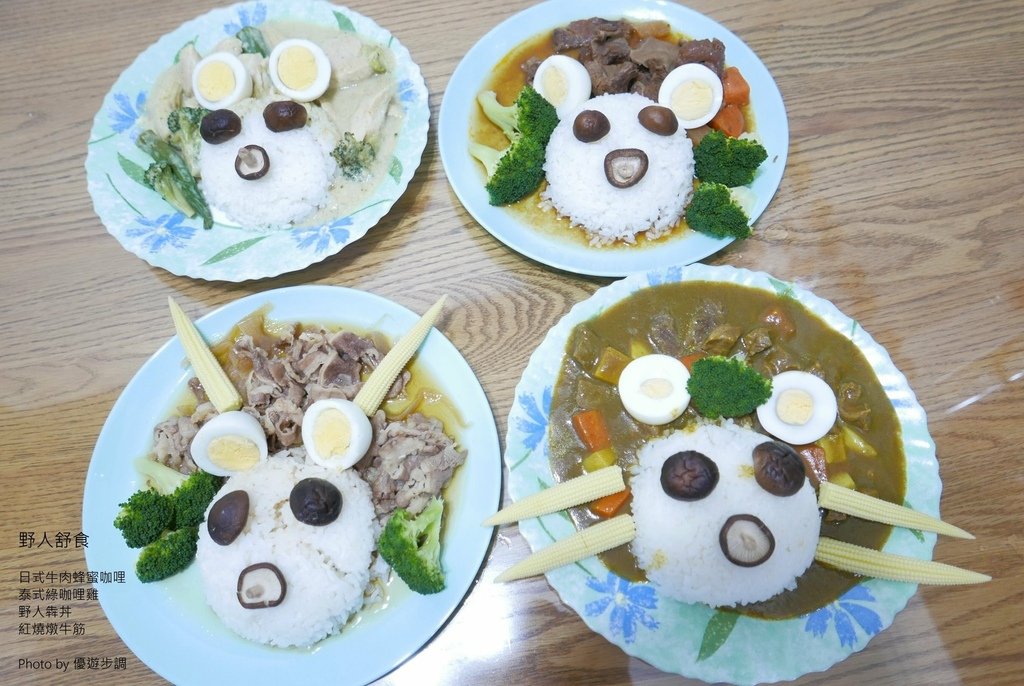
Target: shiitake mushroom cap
(689, 475)
(252, 162)
(746, 541)
(256, 595)
(227, 517)
(778, 468)
(219, 126)
(590, 126)
(315, 501)
(659, 120)
(284, 115)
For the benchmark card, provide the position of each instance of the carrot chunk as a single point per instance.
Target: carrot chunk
(735, 89)
(610, 504)
(729, 121)
(590, 427)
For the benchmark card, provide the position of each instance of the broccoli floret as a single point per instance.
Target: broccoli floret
(516, 171)
(712, 210)
(160, 177)
(159, 476)
(513, 173)
(185, 119)
(726, 387)
(167, 555)
(143, 517)
(726, 160)
(412, 546)
(530, 116)
(192, 498)
(171, 177)
(354, 157)
(183, 124)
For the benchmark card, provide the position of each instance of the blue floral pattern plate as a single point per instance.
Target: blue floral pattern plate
(168, 625)
(149, 227)
(695, 640)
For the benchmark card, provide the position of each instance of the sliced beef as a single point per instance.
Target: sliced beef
(707, 316)
(709, 52)
(282, 422)
(171, 439)
(663, 335)
(409, 462)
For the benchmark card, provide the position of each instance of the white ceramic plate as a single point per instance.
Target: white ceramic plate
(466, 175)
(149, 227)
(693, 639)
(168, 625)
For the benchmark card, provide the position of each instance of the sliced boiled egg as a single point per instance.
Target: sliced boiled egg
(335, 433)
(564, 82)
(653, 389)
(220, 80)
(230, 443)
(801, 410)
(300, 69)
(693, 92)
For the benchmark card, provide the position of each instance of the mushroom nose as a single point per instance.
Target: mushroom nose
(625, 167)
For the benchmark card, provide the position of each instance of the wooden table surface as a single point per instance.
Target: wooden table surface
(901, 203)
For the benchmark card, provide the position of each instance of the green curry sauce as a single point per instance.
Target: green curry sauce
(680, 319)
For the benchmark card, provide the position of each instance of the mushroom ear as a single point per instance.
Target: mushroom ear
(778, 469)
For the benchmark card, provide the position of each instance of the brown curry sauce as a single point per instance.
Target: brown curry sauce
(641, 319)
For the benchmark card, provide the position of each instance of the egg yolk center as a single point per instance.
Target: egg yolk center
(216, 81)
(656, 388)
(332, 433)
(297, 68)
(556, 86)
(233, 453)
(691, 99)
(794, 406)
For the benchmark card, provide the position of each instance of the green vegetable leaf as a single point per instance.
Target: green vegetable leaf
(782, 288)
(715, 633)
(233, 250)
(917, 532)
(134, 171)
(853, 329)
(177, 55)
(344, 23)
(395, 171)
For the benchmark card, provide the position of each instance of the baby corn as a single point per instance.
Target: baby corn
(591, 541)
(868, 562)
(219, 389)
(376, 387)
(834, 497)
(576, 491)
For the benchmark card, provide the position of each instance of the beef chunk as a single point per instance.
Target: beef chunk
(582, 31)
(529, 68)
(658, 57)
(611, 78)
(709, 52)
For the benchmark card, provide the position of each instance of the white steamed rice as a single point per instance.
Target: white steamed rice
(578, 189)
(326, 568)
(296, 185)
(677, 542)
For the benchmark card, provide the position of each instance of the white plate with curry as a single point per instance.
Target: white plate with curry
(494, 64)
(289, 216)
